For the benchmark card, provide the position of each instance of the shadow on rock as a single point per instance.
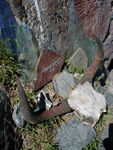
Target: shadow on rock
(108, 143)
(8, 139)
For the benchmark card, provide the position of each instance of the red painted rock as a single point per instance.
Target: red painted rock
(49, 64)
(94, 16)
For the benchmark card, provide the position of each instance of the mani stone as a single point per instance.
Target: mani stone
(49, 64)
(87, 103)
(64, 83)
(79, 59)
(74, 135)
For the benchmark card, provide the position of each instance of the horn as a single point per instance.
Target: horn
(35, 117)
(90, 72)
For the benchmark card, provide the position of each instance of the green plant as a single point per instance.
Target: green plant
(72, 69)
(8, 65)
(50, 123)
(42, 134)
(92, 145)
(103, 121)
(50, 147)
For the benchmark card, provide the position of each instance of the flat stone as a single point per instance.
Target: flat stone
(79, 59)
(49, 64)
(109, 99)
(109, 83)
(74, 135)
(87, 103)
(64, 83)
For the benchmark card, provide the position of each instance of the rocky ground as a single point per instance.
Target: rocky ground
(42, 136)
(60, 37)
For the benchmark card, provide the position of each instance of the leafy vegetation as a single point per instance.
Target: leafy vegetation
(72, 69)
(8, 65)
(92, 145)
(42, 135)
(100, 126)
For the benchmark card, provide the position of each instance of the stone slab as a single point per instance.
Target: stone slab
(74, 135)
(49, 64)
(64, 83)
(79, 59)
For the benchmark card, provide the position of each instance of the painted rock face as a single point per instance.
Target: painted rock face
(49, 64)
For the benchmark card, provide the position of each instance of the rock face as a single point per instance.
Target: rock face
(96, 18)
(92, 14)
(47, 19)
(74, 135)
(57, 24)
(8, 140)
(87, 103)
(7, 23)
(64, 83)
(108, 45)
(109, 83)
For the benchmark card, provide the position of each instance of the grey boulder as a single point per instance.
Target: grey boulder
(74, 135)
(64, 83)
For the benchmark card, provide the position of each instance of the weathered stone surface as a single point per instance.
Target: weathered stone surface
(26, 52)
(87, 103)
(109, 99)
(79, 59)
(49, 64)
(92, 14)
(109, 83)
(64, 83)
(74, 135)
(108, 46)
(47, 19)
(56, 26)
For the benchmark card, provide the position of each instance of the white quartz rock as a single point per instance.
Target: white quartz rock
(87, 103)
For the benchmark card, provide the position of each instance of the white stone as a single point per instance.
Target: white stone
(87, 103)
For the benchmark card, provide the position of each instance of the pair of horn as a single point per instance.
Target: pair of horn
(62, 108)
